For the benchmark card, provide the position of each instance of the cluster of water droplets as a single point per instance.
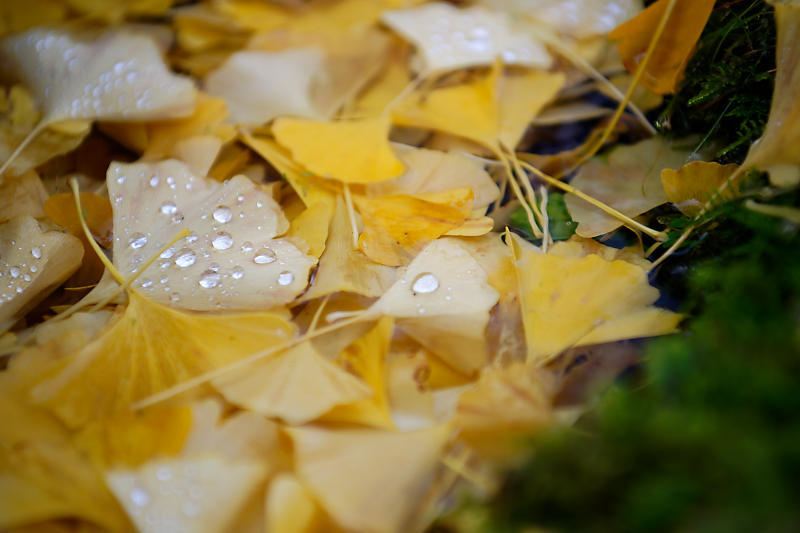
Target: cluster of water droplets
(17, 275)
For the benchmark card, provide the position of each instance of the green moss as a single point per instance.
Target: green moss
(706, 440)
(726, 93)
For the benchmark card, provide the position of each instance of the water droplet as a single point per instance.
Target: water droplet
(34, 269)
(169, 208)
(14, 271)
(186, 258)
(222, 241)
(147, 283)
(177, 218)
(421, 310)
(222, 214)
(26, 277)
(163, 473)
(259, 204)
(154, 181)
(191, 238)
(247, 247)
(36, 252)
(425, 283)
(140, 497)
(137, 240)
(264, 256)
(190, 508)
(175, 297)
(285, 278)
(237, 272)
(240, 198)
(209, 279)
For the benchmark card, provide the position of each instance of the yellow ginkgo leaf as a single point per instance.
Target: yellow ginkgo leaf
(149, 348)
(130, 439)
(665, 67)
(386, 86)
(354, 474)
(430, 171)
(504, 406)
(774, 152)
(694, 184)
(629, 181)
(366, 358)
(493, 110)
(396, 227)
(312, 227)
(443, 301)
(279, 387)
(450, 38)
(342, 269)
(355, 151)
(290, 507)
(564, 299)
(33, 263)
(301, 181)
(230, 260)
(200, 494)
(42, 475)
(19, 118)
(22, 195)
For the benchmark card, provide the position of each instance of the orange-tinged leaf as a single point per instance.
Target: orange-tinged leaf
(149, 348)
(97, 212)
(694, 184)
(674, 49)
(396, 227)
(354, 151)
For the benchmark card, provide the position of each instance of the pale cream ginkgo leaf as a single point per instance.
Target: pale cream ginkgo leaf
(450, 38)
(118, 75)
(32, 263)
(443, 300)
(199, 494)
(259, 86)
(581, 19)
(231, 259)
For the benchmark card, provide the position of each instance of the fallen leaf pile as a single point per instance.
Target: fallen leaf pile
(254, 267)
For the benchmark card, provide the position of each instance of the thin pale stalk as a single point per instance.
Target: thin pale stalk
(18, 150)
(625, 219)
(637, 77)
(518, 193)
(351, 214)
